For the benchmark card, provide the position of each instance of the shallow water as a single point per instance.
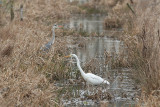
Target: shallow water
(120, 93)
(89, 24)
(80, 2)
(122, 90)
(96, 55)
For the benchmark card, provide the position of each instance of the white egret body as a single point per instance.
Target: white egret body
(89, 77)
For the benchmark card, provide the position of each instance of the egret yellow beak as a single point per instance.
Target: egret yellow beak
(67, 56)
(59, 26)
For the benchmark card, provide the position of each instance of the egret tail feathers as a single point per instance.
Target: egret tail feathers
(105, 81)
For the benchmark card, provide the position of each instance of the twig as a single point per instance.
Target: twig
(131, 9)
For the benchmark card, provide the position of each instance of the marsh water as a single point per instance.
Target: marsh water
(80, 2)
(96, 55)
(89, 24)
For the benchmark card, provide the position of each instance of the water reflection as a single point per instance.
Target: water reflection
(92, 23)
(80, 2)
(88, 48)
(96, 47)
(121, 88)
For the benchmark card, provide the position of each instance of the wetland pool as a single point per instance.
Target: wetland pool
(96, 55)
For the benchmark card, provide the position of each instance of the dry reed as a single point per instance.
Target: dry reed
(143, 41)
(144, 47)
(24, 79)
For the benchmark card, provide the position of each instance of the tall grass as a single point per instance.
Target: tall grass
(27, 75)
(144, 46)
(118, 13)
(43, 11)
(20, 82)
(151, 100)
(143, 41)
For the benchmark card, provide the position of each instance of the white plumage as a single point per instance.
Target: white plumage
(89, 77)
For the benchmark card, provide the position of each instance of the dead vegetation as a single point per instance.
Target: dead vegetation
(118, 13)
(151, 100)
(7, 51)
(27, 75)
(142, 39)
(45, 12)
(21, 83)
(143, 46)
(87, 8)
(113, 21)
(143, 42)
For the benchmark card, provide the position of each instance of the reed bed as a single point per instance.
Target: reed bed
(42, 11)
(90, 7)
(143, 42)
(118, 13)
(28, 74)
(21, 84)
(143, 46)
(151, 100)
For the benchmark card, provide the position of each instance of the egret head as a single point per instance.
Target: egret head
(71, 55)
(75, 56)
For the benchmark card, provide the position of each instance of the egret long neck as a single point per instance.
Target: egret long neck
(78, 64)
(53, 38)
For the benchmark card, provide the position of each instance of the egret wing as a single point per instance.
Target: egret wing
(94, 79)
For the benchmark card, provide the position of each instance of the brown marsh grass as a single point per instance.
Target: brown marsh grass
(144, 46)
(142, 39)
(113, 21)
(152, 100)
(118, 13)
(90, 7)
(21, 83)
(141, 36)
(39, 10)
(27, 75)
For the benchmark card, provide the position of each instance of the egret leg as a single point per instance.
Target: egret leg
(96, 88)
(88, 89)
(92, 88)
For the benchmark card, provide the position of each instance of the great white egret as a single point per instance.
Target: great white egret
(89, 77)
(47, 46)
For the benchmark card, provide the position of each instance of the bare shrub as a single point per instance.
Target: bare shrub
(143, 42)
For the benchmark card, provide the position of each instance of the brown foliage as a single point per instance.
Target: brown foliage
(24, 79)
(151, 100)
(7, 51)
(144, 47)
